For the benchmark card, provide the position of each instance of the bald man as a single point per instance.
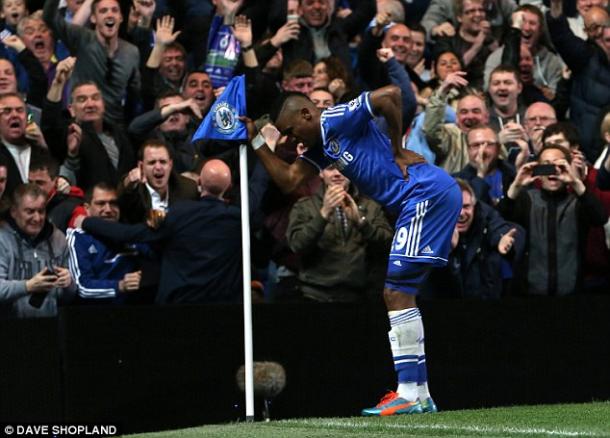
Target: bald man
(215, 179)
(200, 240)
(524, 142)
(594, 22)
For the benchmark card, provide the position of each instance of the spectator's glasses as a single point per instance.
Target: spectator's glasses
(593, 27)
(7, 110)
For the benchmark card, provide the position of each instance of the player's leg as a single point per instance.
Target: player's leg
(423, 393)
(406, 339)
(411, 383)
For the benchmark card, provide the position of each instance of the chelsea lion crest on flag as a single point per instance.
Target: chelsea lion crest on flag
(222, 121)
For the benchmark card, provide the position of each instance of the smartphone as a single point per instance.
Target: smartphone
(50, 269)
(5, 33)
(544, 170)
(36, 299)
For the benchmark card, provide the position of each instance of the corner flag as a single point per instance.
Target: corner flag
(221, 122)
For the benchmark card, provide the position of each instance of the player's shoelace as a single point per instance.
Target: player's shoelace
(391, 395)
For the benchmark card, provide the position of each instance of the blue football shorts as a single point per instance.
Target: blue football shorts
(422, 239)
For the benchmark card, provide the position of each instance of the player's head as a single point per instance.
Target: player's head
(298, 118)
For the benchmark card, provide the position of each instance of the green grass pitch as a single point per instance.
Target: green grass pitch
(569, 420)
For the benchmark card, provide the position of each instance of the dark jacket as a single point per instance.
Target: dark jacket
(530, 93)
(460, 46)
(339, 32)
(334, 262)
(474, 269)
(118, 77)
(22, 257)
(591, 82)
(95, 164)
(557, 224)
(37, 78)
(201, 255)
(374, 73)
(13, 176)
(135, 203)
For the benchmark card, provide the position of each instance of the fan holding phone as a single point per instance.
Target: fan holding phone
(552, 169)
(556, 214)
(32, 250)
(48, 278)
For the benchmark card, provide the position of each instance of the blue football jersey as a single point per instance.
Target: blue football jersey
(355, 145)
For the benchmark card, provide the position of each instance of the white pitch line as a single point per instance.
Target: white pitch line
(478, 429)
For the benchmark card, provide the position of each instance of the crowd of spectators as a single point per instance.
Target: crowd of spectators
(99, 101)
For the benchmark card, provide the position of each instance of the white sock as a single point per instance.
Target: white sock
(404, 335)
(407, 390)
(423, 392)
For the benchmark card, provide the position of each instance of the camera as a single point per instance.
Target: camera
(544, 170)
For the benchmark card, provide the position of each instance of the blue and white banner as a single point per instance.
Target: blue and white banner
(223, 53)
(221, 122)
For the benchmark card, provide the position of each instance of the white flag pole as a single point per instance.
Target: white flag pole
(245, 247)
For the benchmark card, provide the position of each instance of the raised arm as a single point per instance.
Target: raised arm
(55, 22)
(72, 35)
(122, 233)
(386, 101)
(82, 15)
(399, 77)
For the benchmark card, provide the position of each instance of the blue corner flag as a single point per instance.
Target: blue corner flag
(221, 121)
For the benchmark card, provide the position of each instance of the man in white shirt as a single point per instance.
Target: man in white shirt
(153, 184)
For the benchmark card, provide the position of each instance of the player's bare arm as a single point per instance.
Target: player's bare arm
(287, 176)
(387, 103)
